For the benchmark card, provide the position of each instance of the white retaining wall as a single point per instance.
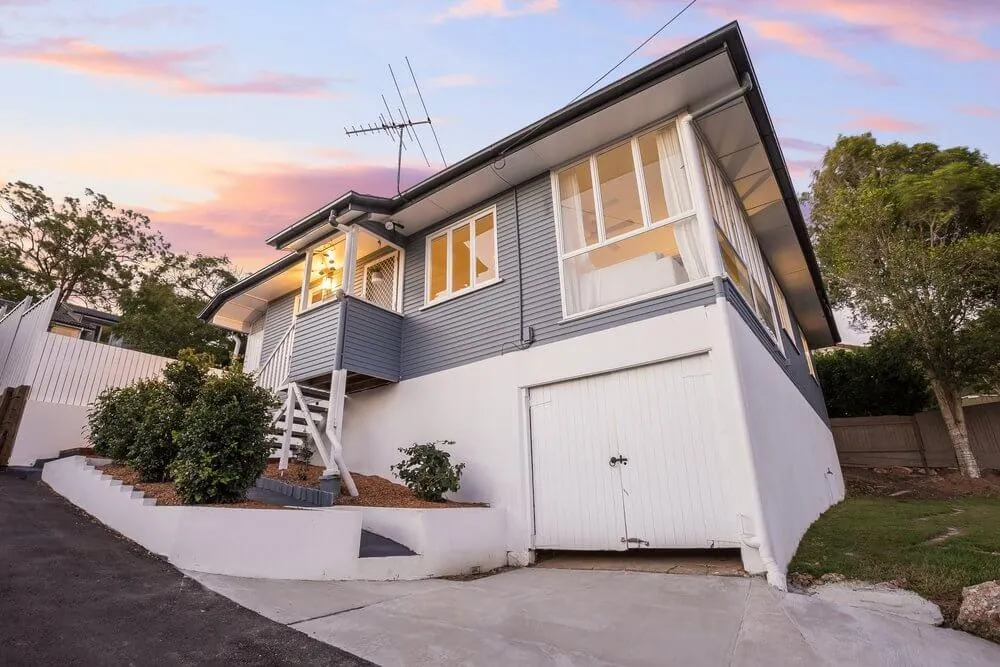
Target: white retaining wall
(309, 544)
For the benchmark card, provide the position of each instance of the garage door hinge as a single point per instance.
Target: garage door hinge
(635, 540)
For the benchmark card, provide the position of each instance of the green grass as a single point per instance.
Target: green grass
(883, 539)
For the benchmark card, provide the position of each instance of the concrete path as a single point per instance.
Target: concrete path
(560, 617)
(73, 592)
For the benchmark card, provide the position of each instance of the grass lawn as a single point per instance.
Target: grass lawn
(884, 539)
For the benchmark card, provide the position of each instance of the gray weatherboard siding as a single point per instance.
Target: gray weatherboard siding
(372, 341)
(314, 351)
(277, 319)
(793, 363)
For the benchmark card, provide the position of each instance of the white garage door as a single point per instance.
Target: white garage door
(630, 459)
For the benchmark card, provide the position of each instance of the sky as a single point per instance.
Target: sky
(224, 121)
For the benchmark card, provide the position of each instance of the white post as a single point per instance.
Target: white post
(335, 411)
(304, 294)
(322, 439)
(350, 260)
(699, 195)
(286, 443)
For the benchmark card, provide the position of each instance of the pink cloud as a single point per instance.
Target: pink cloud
(882, 123)
(467, 9)
(248, 208)
(978, 110)
(802, 168)
(804, 145)
(169, 69)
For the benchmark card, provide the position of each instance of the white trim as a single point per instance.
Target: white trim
(627, 235)
(446, 232)
(325, 302)
(700, 197)
(396, 280)
(456, 295)
(636, 299)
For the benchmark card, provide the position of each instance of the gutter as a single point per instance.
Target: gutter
(254, 279)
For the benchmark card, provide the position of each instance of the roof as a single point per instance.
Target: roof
(240, 286)
(726, 41)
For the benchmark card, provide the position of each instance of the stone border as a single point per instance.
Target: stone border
(305, 494)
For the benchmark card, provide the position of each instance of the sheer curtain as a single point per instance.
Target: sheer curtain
(678, 194)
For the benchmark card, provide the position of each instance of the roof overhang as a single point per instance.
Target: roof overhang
(237, 306)
(741, 134)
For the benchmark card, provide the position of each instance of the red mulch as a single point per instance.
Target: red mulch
(923, 483)
(373, 491)
(165, 493)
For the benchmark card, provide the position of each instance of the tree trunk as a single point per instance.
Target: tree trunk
(950, 402)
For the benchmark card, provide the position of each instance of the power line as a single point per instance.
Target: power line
(636, 49)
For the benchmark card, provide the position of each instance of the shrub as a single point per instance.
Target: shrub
(186, 376)
(223, 444)
(158, 415)
(113, 422)
(427, 470)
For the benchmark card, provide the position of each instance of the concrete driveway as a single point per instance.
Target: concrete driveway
(560, 617)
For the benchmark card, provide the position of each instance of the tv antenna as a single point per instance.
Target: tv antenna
(400, 126)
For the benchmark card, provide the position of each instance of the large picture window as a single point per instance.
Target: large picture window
(462, 257)
(626, 223)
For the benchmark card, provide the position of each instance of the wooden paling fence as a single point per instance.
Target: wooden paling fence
(919, 440)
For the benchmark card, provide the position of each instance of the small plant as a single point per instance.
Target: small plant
(158, 415)
(303, 457)
(113, 422)
(223, 445)
(186, 376)
(427, 470)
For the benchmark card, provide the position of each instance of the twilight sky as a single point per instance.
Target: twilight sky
(224, 120)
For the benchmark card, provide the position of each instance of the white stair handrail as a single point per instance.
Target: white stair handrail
(277, 362)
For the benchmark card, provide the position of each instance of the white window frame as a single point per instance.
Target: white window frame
(647, 224)
(302, 304)
(736, 228)
(806, 351)
(784, 314)
(470, 220)
(397, 305)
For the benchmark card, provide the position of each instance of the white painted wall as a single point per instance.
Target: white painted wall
(46, 429)
(798, 473)
(482, 406)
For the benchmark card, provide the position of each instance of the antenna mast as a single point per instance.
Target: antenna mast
(402, 128)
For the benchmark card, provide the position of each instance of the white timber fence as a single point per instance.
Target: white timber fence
(64, 374)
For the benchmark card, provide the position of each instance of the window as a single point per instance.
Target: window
(626, 223)
(784, 315)
(462, 257)
(326, 275)
(741, 256)
(60, 330)
(806, 352)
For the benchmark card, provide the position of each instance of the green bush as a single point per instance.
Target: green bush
(223, 445)
(185, 376)
(427, 470)
(159, 416)
(113, 422)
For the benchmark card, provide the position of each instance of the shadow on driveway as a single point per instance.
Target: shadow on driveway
(73, 592)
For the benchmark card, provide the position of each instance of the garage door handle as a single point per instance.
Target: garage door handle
(616, 460)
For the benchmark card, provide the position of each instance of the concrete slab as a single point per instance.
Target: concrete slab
(881, 598)
(846, 635)
(294, 601)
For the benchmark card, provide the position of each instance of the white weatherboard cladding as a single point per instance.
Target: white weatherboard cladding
(255, 341)
(482, 406)
(671, 491)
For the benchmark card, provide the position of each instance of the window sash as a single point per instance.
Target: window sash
(448, 235)
(647, 223)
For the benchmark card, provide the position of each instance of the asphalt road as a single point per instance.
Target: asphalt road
(73, 592)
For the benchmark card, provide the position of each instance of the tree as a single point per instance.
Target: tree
(908, 238)
(880, 379)
(87, 247)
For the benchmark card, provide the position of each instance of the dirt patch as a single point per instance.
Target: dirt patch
(164, 492)
(922, 483)
(949, 533)
(373, 491)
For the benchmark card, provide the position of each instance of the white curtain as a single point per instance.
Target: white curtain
(689, 244)
(675, 185)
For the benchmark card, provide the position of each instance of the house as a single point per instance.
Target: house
(610, 311)
(75, 321)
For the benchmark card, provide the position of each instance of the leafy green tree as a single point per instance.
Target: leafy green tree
(909, 239)
(85, 246)
(880, 379)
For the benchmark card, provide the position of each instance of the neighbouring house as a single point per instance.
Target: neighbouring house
(610, 311)
(75, 321)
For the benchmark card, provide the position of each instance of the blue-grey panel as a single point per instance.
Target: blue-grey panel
(792, 362)
(314, 351)
(277, 319)
(470, 327)
(372, 341)
(480, 324)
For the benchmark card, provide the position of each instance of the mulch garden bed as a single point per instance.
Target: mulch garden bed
(373, 491)
(922, 483)
(164, 492)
